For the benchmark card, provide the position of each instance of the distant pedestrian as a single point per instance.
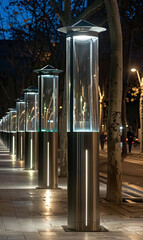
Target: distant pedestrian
(130, 137)
(102, 139)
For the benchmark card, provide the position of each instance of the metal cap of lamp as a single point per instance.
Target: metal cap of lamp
(48, 126)
(31, 127)
(80, 27)
(20, 106)
(82, 125)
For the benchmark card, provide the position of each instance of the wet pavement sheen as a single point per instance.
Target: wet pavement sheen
(28, 213)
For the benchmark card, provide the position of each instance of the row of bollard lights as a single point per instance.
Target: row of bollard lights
(31, 130)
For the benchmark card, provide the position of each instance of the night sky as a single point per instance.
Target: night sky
(6, 11)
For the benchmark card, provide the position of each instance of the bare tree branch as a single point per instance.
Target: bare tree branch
(3, 88)
(58, 12)
(92, 8)
(67, 11)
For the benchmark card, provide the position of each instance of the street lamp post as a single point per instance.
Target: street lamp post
(48, 126)
(3, 129)
(8, 129)
(20, 106)
(31, 128)
(13, 131)
(140, 79)
(82, 125)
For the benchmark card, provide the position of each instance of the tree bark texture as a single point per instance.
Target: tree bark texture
(114, 166)
(63, 140)
(124, 132)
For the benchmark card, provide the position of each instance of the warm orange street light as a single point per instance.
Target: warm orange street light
(141, 106)
(138, 75)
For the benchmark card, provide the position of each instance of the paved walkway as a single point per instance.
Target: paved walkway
(27, 213)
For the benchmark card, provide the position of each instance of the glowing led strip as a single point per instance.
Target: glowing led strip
(48, 164)
(13, 145)
(21, 147)
(86, 187)
(31, 153)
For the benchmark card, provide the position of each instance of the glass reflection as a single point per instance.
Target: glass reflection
(13, 121)
(48, 196)
(85, 83)
(49, 103)
(20, 106)
(31, 100)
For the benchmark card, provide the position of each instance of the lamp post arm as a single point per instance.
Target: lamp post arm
(138, 75)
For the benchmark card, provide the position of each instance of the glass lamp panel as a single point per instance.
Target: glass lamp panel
(0, 126)
(85, 82)
(20, 106)
(8, 118)
(5, 124)
(95, 94)
(8, 122)
(3, 121)
(49, 103)
(31, 100)
(13, 121)
(68, 80)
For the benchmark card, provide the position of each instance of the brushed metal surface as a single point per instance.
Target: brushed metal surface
(83, 183)
(13, 137)
(48, 171)
(20, 154)
(31, 164)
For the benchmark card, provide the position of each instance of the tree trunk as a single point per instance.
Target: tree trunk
(63, 140)
(114, 167)
(124, 132)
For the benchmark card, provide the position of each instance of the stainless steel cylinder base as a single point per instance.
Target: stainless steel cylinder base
(48, 160)
(83, 181)
(4, 138)
(8, 140)
(31, 150)
(20, 154)
(13, 143)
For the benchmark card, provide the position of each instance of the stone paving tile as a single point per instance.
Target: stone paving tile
(135, 236)
(2, 236)
(14, 236)
(39, 214)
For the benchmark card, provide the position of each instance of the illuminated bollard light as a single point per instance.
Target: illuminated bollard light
(48, 126)
(82, 125)
(31, 128)
(13, 131)
(20, 107)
